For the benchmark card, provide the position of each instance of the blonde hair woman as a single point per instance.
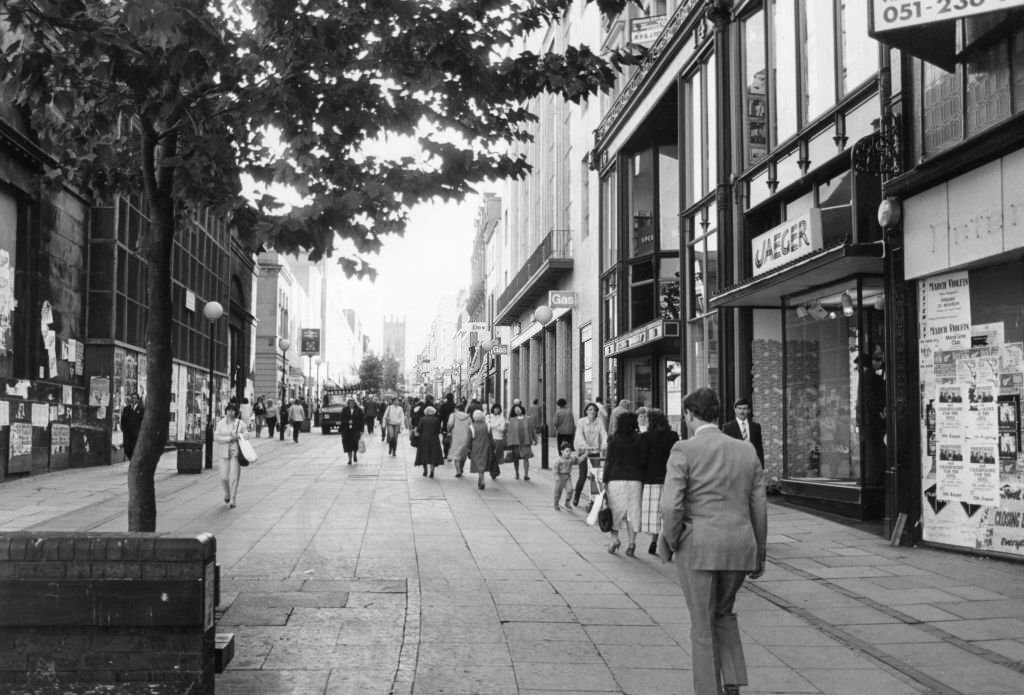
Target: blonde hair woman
(225, 436)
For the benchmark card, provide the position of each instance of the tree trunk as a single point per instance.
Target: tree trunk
(159, 242)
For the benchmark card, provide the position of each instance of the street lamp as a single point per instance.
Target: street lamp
(212, 311)
(542, 315)
(284, 344)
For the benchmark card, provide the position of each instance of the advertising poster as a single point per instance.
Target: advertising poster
(982, 473)
(40, 415)
(60, 438)
(947, 310)
(1009, 432)
(21, 439)
(99, 391)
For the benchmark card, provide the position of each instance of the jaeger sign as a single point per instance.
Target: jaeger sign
(787, 242)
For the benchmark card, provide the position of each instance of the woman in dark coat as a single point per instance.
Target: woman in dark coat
(350, 424)
(481, 448)
(659, 440)
(429, 453)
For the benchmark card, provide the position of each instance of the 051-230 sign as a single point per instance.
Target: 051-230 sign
(897, 14)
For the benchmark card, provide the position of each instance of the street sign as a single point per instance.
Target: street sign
(309, 341)
(558, 300)
(499, 349)
(899, 14)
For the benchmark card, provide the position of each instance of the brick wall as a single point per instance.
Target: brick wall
(103, 608)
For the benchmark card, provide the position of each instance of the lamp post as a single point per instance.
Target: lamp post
(284, 344)
(212, 311)
(542, 315)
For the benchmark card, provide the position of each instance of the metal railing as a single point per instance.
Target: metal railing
(557, 245)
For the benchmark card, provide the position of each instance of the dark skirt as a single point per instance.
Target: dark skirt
(350, 441)
(429, 453)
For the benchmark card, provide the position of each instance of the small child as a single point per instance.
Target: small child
(563, 475)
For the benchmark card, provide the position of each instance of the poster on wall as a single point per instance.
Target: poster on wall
(99, 391)
(946, 309)
(60, 438)
(972, 384)
(21, 439)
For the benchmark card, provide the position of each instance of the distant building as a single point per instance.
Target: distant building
(393, 339)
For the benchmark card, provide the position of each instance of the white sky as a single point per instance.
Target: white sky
(432, 260)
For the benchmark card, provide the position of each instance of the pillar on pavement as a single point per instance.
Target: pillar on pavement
(563, 361)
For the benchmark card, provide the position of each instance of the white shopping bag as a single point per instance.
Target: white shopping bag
(596, 509)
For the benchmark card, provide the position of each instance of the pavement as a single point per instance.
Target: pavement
(370, 578)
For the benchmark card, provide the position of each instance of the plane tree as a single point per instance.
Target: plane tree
(187, 101)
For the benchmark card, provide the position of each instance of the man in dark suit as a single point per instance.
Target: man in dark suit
(131, 421)
(715, 514)
(743, 427)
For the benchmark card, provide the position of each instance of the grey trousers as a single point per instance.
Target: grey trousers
(714, 631)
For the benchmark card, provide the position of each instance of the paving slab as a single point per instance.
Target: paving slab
(371, 579)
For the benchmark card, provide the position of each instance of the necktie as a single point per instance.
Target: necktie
(746, 434)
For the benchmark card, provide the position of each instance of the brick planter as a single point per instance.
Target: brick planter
(83, 612)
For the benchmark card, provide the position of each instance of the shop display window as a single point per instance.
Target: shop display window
(834, 384)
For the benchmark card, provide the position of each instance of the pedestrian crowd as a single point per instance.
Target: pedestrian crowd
(701, 499)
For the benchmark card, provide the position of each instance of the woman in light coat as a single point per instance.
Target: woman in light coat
(458, 429)
(225, 437)
(519, 439)
(590, 441)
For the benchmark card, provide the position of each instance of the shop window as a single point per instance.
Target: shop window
(668, 198)
(586, 364)
(785, 100)
(859, 50)
(834, 385)
(700, 134)
(668, 289)
(986, 88)
(610, 300)
(818, 59)
(703, 259)
(611, 367)
(641, 293)
(755, 82)
(609, 224)
(641, 203)
(702, 352)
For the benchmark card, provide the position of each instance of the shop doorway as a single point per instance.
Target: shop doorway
(638, 381)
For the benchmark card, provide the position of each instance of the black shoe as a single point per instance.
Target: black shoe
(424, 472)
(431, 474)
(653, 548)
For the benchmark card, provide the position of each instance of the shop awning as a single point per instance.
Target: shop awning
(821, 268)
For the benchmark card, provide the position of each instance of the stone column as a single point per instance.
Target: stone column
(563, 361)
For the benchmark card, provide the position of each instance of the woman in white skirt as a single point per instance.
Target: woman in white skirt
(624, 473)
(658, 442)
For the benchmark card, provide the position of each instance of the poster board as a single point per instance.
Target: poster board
(972, 383)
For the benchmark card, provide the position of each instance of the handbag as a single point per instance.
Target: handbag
(414, 436)
(362, 445)
(246, 451)
(604, 519)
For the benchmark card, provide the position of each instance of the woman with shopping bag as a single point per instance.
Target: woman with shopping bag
(226, 436)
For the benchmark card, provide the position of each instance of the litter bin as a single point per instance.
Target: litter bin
(305, 425)
(190, 456)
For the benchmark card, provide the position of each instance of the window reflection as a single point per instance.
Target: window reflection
(860, 51)
(988, 88)
(755, 105)
(641, 203)
(668, 197)
(786, 99)
(668, 289)
(819, 83)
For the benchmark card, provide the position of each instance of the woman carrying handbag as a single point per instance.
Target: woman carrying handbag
(226, 436)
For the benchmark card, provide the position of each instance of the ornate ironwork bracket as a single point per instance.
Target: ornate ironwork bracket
(881, 152)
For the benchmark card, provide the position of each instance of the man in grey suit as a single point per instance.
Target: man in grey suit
(715, 525)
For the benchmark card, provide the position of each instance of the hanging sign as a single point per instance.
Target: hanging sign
(309, 341)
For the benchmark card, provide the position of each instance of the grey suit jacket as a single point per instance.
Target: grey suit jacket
(714, 504)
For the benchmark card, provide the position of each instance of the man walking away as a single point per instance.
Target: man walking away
(297, 415)
(715, 523)
(743, 427)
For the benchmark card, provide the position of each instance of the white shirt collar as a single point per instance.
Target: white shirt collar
(704, 427)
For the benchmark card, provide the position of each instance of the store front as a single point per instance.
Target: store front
(643, 366)
(965, 263)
